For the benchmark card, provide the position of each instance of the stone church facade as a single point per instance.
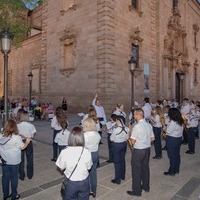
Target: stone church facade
(80, 47)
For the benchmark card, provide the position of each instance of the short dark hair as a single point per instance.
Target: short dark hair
(139, 111)
(146, 99)
(76, 137)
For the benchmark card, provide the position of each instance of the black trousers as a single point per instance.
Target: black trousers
(140, 170)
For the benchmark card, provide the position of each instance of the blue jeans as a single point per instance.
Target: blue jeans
(29, 159)
(173, 152)
(157, 142)
(55, 145)
(93, 172)
(61, 147)
(110, 147)
(191, 138)
(77, 190)
(119, 151)
(10, 175)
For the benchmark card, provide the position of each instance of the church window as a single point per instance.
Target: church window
(175, 4)
(136, 6)
(196, 30)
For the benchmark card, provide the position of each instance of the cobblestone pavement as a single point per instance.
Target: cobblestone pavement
(46, 182)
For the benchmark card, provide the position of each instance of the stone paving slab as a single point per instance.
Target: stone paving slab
(46, 182)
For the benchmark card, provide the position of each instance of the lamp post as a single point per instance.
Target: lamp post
(30, 77)
(181, 77)
(5, 45)
(132, 65)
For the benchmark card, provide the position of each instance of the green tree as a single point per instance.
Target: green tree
(13, 16)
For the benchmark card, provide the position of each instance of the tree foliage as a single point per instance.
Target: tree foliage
(13, 16)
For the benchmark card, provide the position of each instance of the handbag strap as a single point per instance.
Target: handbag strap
(76, 163)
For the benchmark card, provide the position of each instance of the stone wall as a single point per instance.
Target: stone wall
(84, 48)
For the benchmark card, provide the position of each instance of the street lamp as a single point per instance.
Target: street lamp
(181, 77)
(132, 65)
(5, 45)
(30, 77)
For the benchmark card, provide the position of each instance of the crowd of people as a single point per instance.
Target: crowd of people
(146, 125)
(38, 110)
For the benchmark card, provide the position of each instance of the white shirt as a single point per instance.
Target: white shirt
(157, 121)
(55, 125)
(68, 159)
(62, 138)
(192, 119)
(185, 109)
(110, 125)
(147, 110)
(166, 118)
(11, 151)
(119, 134)
(142, 133)
(27, 129)
(119, 112)
(100, 111)
(174, 129)
(92, 139)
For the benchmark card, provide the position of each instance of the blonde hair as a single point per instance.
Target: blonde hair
(159, 111)
(89, 125)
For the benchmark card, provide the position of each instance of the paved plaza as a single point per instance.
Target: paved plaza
(46, 182)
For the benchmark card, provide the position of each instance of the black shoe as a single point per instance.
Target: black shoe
(17, 197)
(5, 198)
(93, 194)
(100, 142)
(164, 148)
(157, 157)
(116, 182)
(168, 174)
(109, 161)
(54, 159)
(133, 194)
(145, 189)
(189, 152)
(21, 178)
(122, 179)
(184, 143)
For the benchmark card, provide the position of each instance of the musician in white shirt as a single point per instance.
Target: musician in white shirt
(92, 139)
(118, 138)
(78, 185)
(26, 130)
(174, 134)
(141, 137)
(147, 109)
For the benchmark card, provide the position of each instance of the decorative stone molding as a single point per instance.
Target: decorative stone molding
(68, 6)
(175, 41)
(135, 36)
(68, 45)
(67, 72)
